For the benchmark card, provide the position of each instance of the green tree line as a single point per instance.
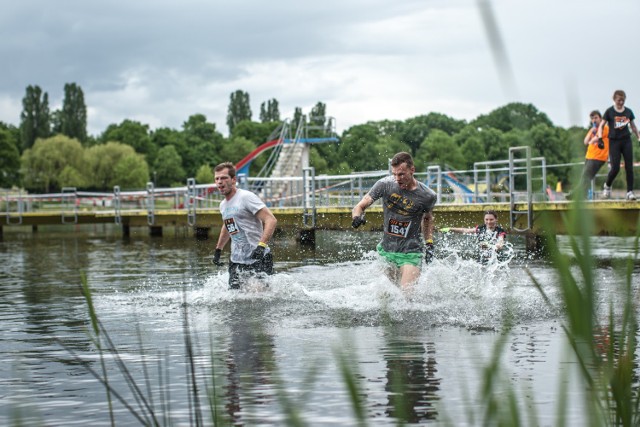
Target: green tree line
(51, 150)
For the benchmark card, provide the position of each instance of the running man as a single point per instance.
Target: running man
(248, 222)
(407, 207)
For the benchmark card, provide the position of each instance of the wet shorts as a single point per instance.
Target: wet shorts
(399, 259)
(239, 272)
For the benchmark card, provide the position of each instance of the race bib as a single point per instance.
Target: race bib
(232, 228)
(398, 228)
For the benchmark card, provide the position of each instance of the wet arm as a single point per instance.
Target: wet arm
(269, 223)
(362, 205)
(428, 226)
(223, 239)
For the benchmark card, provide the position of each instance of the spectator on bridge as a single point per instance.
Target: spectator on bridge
(407, 206)
(491, 237)
(249, 223)
(597, 153)
(619, 118)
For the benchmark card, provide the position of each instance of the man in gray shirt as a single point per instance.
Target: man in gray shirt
(248, 223)
(407, 206)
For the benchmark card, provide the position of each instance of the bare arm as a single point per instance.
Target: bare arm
(428, 226)
(462, 230)
(591, 137)
(223, 239)
(601, 128)
(362, 205)
(268, 224)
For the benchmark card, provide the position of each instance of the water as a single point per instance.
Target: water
(259, 348)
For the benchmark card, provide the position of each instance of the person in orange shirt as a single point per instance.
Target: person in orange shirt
(597, 152)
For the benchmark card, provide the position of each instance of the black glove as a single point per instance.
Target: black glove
(216, 257)
(258, 252)
(428, 252)
(600, 143)
(358, 221)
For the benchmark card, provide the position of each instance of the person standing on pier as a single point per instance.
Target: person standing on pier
(248, 223)
(597, 152)
(407, 206)
(620, 119)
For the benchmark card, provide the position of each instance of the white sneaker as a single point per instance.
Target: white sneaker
(631, 196)
(606, 192)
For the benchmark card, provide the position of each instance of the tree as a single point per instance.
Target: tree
(317, 120)
(73, 116)
(168, 167)
(512, 116)
(132, 172)
(234, 150)
(364, 149)
(414, 130)
(43, 164)
(101, 161)
(9, 159)
(34, 119)
(270, 112)
(297, 117)
(134, 134)
(204, 175)
(439, 148)
(258, 133)
(239, 109)
(203, 143)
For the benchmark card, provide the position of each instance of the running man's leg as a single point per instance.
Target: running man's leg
(409, 275)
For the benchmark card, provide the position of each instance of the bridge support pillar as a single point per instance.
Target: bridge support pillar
(538, 244)
(155, 231)
(202, 233)
(307, 236)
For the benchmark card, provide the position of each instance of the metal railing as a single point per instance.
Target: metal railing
(488, 182)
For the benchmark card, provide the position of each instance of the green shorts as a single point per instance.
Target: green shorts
(399, 259)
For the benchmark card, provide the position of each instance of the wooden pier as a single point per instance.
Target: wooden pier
(618, 218)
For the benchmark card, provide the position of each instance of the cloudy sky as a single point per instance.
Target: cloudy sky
(158, 62)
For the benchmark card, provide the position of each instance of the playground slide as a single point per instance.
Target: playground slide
(243, 165)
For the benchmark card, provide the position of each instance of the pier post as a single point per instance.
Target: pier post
(126, 230)
(307, 236)
(538, 244)
(202, 233)
(34, 228)
(155, 231)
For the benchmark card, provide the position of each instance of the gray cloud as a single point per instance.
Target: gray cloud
(159, 62)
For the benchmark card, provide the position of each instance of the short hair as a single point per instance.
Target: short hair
(595, 113)
(491, 212)
(400, 158)
(226, 165)
(619, 92)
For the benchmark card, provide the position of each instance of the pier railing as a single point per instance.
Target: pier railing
(488, 182)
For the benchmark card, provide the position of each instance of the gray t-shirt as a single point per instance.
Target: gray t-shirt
(238, 216)
(403, 211)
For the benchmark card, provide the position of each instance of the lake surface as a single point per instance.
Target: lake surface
(269, 355)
